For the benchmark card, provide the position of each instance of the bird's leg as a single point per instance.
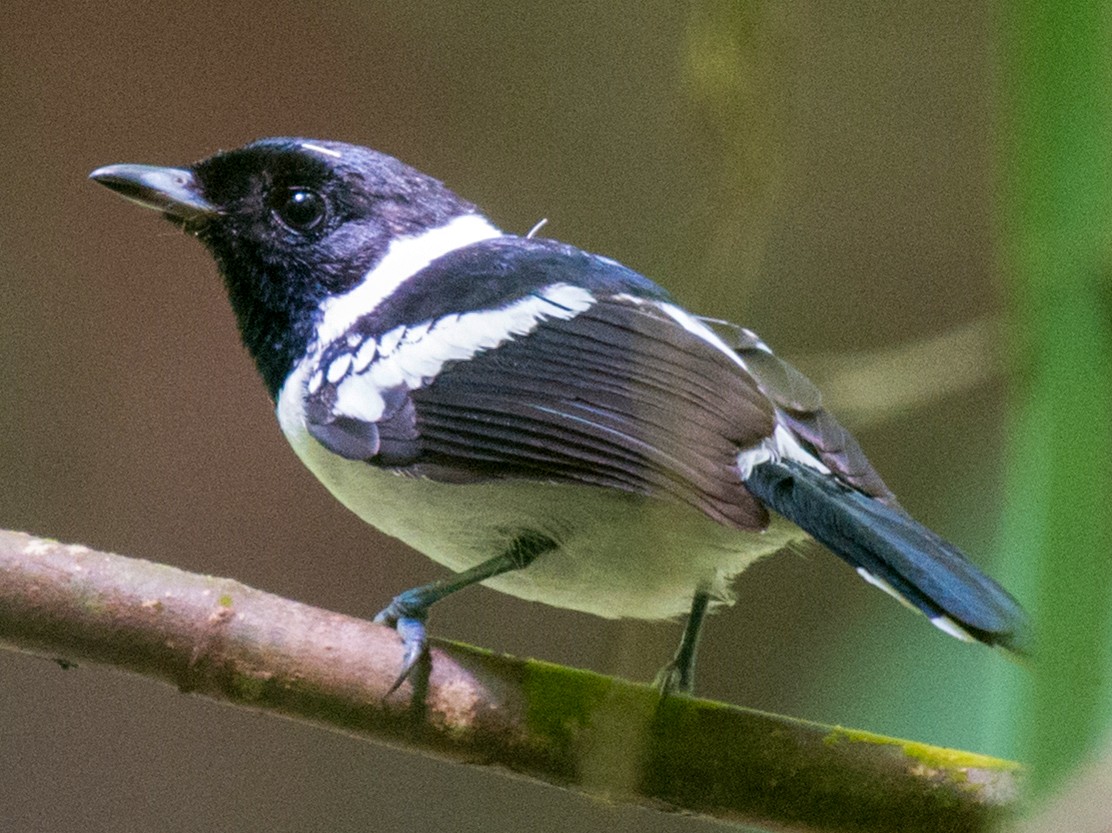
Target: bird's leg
(409, 610)
(678, 676)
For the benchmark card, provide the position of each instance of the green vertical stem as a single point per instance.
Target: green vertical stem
(1056, 230)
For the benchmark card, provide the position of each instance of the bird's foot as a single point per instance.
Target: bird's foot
(407, 617)
(676, 677)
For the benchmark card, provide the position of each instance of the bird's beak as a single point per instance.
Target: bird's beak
(173, 191)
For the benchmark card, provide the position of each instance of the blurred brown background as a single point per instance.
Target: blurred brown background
(820, 175)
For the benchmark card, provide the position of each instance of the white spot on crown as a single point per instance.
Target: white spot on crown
(318, 149)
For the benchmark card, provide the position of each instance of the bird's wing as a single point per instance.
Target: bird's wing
(560, 384)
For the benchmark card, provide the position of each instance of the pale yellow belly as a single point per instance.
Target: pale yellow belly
(619, 555)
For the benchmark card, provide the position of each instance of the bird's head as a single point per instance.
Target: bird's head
(293, 224)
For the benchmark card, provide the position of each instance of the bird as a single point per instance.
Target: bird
(536, 418)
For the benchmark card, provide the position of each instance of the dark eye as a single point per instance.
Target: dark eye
(301, 209)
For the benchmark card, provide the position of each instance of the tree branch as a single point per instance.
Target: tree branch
(223, 640)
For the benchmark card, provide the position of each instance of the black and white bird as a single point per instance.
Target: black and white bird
(539, 419)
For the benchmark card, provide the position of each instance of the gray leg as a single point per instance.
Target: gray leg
(678, 676)
(409, 610)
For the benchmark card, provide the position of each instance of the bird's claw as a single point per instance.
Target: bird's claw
(410, 626)
(674, 678)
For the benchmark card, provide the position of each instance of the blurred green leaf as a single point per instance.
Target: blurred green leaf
(730, 63)
(1056, 226)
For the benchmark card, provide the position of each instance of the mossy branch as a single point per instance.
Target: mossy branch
(219, 639)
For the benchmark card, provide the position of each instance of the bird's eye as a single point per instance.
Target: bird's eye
(301, 209)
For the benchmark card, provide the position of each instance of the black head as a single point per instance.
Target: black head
(290, 222)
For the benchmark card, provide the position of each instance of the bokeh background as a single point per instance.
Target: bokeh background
(848, 180)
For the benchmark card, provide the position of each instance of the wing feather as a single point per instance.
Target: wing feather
(617, 395)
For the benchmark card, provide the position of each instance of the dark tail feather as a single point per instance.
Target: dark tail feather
(891, 548)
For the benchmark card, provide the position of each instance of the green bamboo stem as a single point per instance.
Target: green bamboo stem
(1056, 229)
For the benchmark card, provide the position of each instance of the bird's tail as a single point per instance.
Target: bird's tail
(891, 550)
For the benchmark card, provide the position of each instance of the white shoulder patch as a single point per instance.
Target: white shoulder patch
(403, 259)
(412, 356)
